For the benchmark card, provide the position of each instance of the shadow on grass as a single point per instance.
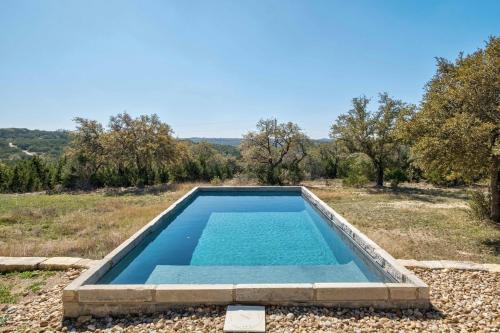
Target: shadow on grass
(187, 316)
(116, 191)
(150, 190)
(430, 195)
(493, 245)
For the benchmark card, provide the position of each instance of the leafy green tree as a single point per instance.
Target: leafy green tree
(142, 145)
(373, 133)
(357, 170)
(323, 160)
(131, 151)
(457, 131)
(202, 161)
(313, 165)
(209, 161)
(185, 167)
(5, 176)
(331, 154)
(29, 176)
(274, 152)
(87, 154)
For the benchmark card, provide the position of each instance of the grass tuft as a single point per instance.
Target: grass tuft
(6, 295)
(14, 285)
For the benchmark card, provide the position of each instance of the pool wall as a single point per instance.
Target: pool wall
(84, 297)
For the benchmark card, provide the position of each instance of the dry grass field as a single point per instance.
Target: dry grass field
(415, 221)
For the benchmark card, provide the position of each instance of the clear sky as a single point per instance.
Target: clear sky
(213, 68)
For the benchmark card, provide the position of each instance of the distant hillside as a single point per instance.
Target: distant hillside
(237, 141)
(19, 143)
(322, 140)
(217, 141)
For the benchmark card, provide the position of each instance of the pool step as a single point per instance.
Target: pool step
(166, 274)
(245, 318)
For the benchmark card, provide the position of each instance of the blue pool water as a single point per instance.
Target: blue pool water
(244, 237)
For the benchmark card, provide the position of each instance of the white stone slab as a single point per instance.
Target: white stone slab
(245, 318)
(492, 268)
(9, 264)
(59, 263)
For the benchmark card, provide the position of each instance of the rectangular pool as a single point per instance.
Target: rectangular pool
(269, 245)
(244, 237)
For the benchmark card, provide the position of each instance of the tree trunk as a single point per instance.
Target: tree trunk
(495, 189)
(380, 175)
(270, 179)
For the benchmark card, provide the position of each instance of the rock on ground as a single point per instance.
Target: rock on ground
(464, 301)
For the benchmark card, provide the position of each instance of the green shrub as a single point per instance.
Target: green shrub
(396, 176)
(355, 180)
(6, 295)
(451, 179)
(357, 170)
(216, 181)
(479, 204)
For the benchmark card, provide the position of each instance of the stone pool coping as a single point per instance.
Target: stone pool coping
(83, 296)
(12, 264)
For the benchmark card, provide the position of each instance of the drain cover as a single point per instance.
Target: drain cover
(245, 318)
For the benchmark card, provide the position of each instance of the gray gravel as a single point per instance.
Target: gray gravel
(464, 301)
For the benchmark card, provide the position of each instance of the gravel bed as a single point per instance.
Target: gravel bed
(463, 301)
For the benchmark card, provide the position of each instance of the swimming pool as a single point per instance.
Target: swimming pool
(269, 245)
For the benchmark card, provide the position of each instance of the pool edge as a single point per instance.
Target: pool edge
(83, 297)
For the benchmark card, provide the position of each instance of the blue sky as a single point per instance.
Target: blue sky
(214, 68)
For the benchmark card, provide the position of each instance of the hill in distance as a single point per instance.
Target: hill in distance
(217, 141)
(236, 141)
(21, 143)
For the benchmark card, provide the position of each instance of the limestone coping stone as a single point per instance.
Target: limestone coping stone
(402, 291)
(194, 293)
(8, 264)
(86, 263)
(493, 268)
(241, 293)
(286, 292)
(450, 264)
(116, 293)
(55, 263)
(351, 291)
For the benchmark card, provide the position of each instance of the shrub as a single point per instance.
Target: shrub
(479, 204)
(452, 179)
(216, 181)
(396, 176)
(357, 170)
(356, 180)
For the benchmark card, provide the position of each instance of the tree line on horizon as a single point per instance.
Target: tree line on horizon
(452, 137)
